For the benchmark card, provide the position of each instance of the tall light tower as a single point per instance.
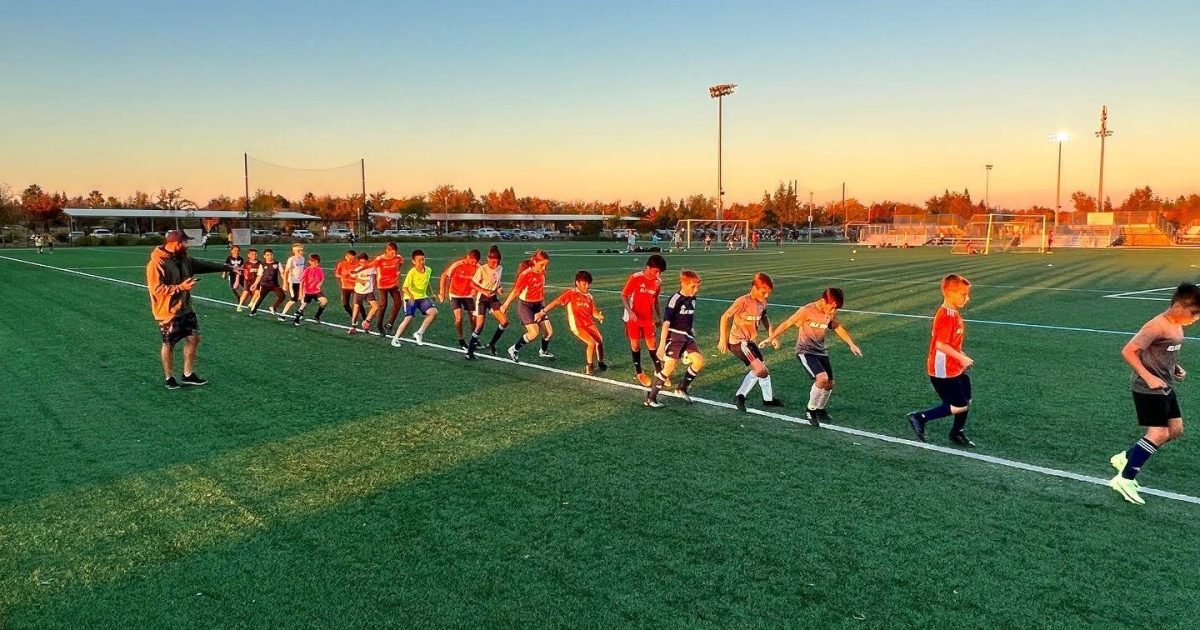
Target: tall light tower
(1102, 134)
(1060, 138)
(987, 188)
(719, 92)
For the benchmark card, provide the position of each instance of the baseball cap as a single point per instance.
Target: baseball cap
(177, 236)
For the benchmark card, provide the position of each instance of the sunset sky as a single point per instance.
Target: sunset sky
(603, 100)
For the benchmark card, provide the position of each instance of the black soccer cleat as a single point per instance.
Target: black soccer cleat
(470, 357)
(740, 401)
(813, 416)
(194, 380)
(823, 416)
(917, 425)
(774, 402)
(962, 440)
(172, 383)
(462, 344)
(491, 349)
(603, 366)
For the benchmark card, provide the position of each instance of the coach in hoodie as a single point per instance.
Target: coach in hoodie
(169, 276)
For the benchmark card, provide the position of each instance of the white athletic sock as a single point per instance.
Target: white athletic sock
(825, 394)
(768, 392)
(814, 397)
(747, 384)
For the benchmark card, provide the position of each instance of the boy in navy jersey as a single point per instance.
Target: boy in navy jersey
(678, 340)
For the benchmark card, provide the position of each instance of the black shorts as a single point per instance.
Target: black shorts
(678, 345)
(746, 352)
(309, 298)
(1154, 410)
(295, 293)
(235, 280)
(815, 364)
(364, 299)
(527, 311)
(485, 303)
(954, 391)
(179, 328)
(263, 289)
(462, 303)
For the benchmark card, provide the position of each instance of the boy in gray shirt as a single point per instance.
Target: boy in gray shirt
(1153, 354)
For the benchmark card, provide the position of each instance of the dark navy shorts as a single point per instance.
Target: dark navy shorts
(527, 311)
(815, 364)
(954, 391)
(679, 345)
(485, 303)
(422, 306)
(179, 328)
(465, 303)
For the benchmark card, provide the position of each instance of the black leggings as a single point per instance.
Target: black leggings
(397, 303)
(348, 301)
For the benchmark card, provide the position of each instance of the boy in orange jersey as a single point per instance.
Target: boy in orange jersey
(642, 313)
(582, 315)
(458, 276)
(344, 272)
(530, 290)
(947, 365)
(739, 328)
(387, 281)
(813, 321)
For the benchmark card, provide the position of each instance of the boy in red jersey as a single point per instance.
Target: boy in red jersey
(462, 295)
(249, 274)
(640, 298)
(739, 328)
(947, 365)
(388, 282)
(530, 290)
(344, 272)
(310, 289)
(581, 318)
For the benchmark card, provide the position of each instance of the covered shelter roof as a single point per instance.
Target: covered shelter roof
(480, 216)
(140, 213)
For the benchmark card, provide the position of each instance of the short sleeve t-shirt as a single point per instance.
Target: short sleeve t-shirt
(250, 270)
(461, 273)
(312, 279)
(950, 329)
(581, 307)
(1159, 341)
(747, 313)
(642, 291)
(488, 278)
(345, 273)
(417, 283)
(812, 327)
(364, 280)
(680, 314)
(531, 285)
(234, 264)
(389, 270)
(269, 273)
(297, 268)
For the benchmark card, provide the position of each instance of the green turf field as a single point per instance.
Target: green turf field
(323, 480)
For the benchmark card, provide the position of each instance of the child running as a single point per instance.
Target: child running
(344, 272)
(293, 271)
(388, 266)
(270, 274)
(739, 328)
(364, 294)
(640, 298)
(486, 284)
(250, 270)
(582, 315)
(233, 273)
(813, 321)
(678, 344)
(1153, 353)
(310, 289)
(530, 291)
(947, 365)
(417, 300)
(462, 298)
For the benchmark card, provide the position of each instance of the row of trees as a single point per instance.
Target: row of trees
(783, 206)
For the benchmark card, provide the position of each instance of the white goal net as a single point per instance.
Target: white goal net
(725, 234)
(991, 233)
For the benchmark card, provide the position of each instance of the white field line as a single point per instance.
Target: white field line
(989, 459)
(1141, 295)
(990, 322)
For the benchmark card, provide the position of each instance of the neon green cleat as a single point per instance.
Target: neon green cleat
(1119, 461)
(1128, 489)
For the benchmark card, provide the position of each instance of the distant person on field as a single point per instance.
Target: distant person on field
(169, 278)
(204, 242)
(1153, 353)
(38, 242)
(708, 238)
(631, 241)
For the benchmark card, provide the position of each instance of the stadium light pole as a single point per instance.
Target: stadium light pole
(1102, 134)
(719, 92)
(987, 188)
(1060, 138)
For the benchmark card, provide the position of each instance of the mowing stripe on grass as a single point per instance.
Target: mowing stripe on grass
(999, 461)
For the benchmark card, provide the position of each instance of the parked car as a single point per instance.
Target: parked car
(486, 233)
(374, 234)
(339, 233)
(102, 233)
(152, 235)
(302, 234)
(457, 234)
(390, 233)
(260, 232)
(74, 235)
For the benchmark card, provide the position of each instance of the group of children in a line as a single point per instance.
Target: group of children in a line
(475, 290)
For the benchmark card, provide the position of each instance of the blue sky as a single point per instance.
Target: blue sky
(602, 100)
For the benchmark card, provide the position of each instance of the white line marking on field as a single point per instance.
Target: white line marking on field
(999, 461)
(1141, 295)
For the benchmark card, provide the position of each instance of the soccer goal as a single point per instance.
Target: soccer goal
(723, 231)
(990, 233)
(239, 237)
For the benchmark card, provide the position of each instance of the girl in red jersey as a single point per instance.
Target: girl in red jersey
(462, 294)
(530, 290)
(582, 315)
